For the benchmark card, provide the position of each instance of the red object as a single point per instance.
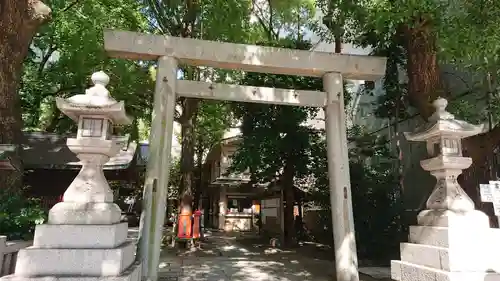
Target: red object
(184, 229)
(196, 224)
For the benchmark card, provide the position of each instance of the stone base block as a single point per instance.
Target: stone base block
(463, 258)
(431, 235)
(445, 218)
(133, 273)
(80, 262)
(80, 236)
(84, 213)
(448, 236)
(404, 271)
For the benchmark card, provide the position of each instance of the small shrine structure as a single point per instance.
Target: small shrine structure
(84, 238)
(452, 240)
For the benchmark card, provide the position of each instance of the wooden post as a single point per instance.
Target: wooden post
(346, 262)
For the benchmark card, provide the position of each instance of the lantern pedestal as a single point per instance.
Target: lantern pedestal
(84, 239)
(452, 240)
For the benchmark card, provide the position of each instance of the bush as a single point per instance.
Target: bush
(19, 215)
(376, 199)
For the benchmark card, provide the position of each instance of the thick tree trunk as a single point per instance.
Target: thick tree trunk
(199, 176)
(189, 107)
(289, 190)
(424, 84)
(19, 20)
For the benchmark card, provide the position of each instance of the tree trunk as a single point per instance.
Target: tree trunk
(189, 107)
(424, 84)
(424, 87)
(289, 190)
(19, 20)
(199, 175)
(338, 42)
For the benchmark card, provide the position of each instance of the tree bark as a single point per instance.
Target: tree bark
(199, 174)
(289, 190)
(19, 20)
(424, 84)
(189, 107)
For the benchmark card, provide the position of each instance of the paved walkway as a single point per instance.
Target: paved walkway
(226, 258)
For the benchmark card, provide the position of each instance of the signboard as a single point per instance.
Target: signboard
(486, 192)
(491, 193)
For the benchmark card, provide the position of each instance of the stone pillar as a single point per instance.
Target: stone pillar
(84, 238)
(166, 78)
(452, 240)
(222, 207)
(346, 260)
(158, 167)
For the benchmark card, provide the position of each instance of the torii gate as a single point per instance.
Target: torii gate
(170, 51)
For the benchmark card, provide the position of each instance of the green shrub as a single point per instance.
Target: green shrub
(19, 215)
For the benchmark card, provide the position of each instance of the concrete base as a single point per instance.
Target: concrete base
(449, 246)
(444, 258)
(404, 271)
(445, 218)
(133, 273)
(81, 262)
(84, 213)
(80, 236)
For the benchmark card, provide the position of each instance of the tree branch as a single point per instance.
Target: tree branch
(260, 17)
(71, 5)
(45, 59)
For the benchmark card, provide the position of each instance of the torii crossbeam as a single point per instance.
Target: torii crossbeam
(171, 51)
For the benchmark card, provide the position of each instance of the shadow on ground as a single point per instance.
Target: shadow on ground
(239, 257)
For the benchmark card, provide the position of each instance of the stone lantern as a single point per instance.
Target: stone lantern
(443, 136)
(84, 238)
(452, 240)
(95, 112)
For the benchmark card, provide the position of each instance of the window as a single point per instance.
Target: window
(92, 127)
(239, 205)
(110, 130)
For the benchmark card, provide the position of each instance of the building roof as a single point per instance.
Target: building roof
(49, 151)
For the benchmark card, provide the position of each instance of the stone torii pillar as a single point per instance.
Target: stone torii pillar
(346, 260)
(169, 51)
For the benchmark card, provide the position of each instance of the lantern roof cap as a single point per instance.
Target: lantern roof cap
(443, 123)
(96, 102)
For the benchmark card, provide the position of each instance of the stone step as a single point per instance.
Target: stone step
(429, 235)
(445, 236)
(80, 236)
(465, 258)
(405, 271)
(133, 273)
(34, 261)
